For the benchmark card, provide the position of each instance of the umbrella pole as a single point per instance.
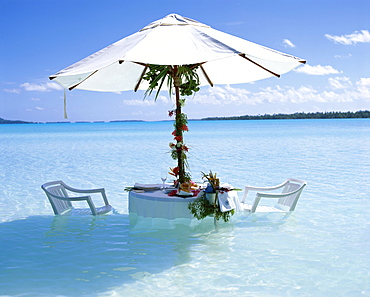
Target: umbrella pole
(179, 132)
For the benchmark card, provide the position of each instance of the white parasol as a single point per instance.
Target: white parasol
(175, 42)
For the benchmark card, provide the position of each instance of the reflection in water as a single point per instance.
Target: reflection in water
(85, 255)
(323, 249)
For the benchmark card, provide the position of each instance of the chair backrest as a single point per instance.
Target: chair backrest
(54, 190)
(293, 185)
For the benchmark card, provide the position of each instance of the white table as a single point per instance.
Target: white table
(157, 204)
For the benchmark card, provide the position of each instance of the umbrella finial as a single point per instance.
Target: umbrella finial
(174, 19)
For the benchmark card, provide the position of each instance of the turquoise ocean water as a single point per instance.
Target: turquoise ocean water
(322, 249)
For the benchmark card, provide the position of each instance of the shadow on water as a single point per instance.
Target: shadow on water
(86, 255)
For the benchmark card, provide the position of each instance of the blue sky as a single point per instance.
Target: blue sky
(39, 38)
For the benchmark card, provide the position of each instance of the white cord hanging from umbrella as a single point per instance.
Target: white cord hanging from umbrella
(65, 104)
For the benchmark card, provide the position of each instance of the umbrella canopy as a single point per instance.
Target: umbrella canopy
(175, 40)
(175, 44)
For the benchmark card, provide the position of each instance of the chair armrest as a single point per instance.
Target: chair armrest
(89, 191)
(81, 198)
(83, 191)
(260, 195)
(279, 195)
(252, 188)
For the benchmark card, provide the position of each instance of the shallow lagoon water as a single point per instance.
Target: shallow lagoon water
(321, 249)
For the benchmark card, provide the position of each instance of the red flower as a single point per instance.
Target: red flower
(172, 193)
(174, 133)
(172, 145)
(175, 171)
(185, 148)
(195, 192)
(184, 128)
(178, 138)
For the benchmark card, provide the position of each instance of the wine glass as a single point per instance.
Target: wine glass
(163, 177)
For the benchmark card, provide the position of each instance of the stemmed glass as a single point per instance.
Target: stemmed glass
(163, 177)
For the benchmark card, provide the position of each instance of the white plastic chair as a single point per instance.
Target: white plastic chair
(61, 202)
(287, 194)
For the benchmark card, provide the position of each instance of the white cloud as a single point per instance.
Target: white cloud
(364, 82)
(163, 99)
(344, 91)
(349, 39)
(221, 96)
(317, 70)
(338, 83)
(146, 102)
(235, 23)
(137, 102)
(39, 108)
(363, 87)
(16, 91)
(47, 87)
(279, 94)
(343, 56)
(288, 43)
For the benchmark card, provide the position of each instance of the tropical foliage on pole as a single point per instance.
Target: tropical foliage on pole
(185, 82)
(156, 75)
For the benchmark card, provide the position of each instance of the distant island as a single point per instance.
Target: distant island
(298, 115)
(280, 116)
(3, 121)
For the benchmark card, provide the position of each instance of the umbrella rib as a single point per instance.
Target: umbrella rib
(140, 79)
(139, 63)
(264, 68)
(142, 64)
(76, 85)
(142, 74)
(206, 75)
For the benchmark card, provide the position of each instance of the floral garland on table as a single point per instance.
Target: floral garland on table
(201, 207)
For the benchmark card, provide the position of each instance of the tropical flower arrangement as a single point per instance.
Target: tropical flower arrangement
(178, 148)
(185, 189)
(186, 82)
(203, 206)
